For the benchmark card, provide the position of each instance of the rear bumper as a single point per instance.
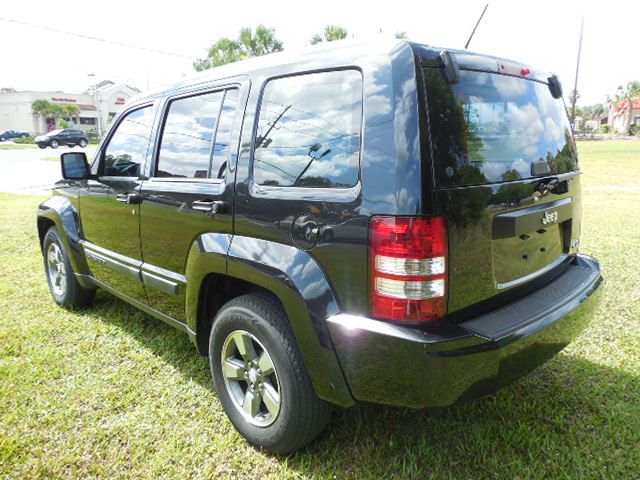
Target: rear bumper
(445, 362)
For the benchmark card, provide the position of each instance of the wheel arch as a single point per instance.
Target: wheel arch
(221, 267)
(60, 212)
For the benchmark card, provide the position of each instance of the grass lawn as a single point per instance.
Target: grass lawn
(17, 146)
(112, 393)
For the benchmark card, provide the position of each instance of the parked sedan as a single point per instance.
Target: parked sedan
(67, 136)
(11, 134)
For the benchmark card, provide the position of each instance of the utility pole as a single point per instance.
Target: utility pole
(95, 94)
(575, 84)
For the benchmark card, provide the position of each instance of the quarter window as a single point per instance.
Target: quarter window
(127, 149)
(308, 132)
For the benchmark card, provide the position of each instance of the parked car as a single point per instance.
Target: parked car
(11, 134)
(324, 238)
(67, 136)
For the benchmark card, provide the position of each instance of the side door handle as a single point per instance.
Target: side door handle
(208, 206)
(129, 198)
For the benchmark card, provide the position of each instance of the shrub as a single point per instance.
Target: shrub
(605, 128)
(93, 136)
(28, 140)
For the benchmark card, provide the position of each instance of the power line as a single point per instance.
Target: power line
(95, 39)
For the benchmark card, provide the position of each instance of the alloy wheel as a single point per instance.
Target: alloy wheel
(251, 378)
(56, 269)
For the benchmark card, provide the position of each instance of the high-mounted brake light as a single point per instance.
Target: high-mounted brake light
(408, 268)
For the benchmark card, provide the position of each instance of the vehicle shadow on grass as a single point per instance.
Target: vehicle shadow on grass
(570, 417)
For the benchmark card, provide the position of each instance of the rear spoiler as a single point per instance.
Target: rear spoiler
(452, 61)
(555, 86)
(451, 70)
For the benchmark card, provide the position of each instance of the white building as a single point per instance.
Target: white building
(16, 112)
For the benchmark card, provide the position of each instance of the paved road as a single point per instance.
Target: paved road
(32, 170)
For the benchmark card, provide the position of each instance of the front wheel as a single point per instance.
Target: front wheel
(65, 289)
(260, 377)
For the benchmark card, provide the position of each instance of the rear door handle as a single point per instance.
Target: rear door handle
(129, 198)
(208, 206)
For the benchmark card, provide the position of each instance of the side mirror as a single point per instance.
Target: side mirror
(74, 165)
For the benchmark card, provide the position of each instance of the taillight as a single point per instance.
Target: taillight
(408, 261)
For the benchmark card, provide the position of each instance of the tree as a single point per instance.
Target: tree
(40, 107)
(69, 110)
(625, 98)
(46, 109)
(248, 44)
(401, 35)
(598, 110)
(331, 33)
(262, 42)
(574, 95)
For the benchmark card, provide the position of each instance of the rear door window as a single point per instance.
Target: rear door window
(490, 128)
(196, 135)
(309, 131)
(185, 148)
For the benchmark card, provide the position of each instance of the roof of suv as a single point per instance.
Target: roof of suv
(347, 51)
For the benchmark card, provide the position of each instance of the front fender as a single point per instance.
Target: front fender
(298, 282)
(61, 212)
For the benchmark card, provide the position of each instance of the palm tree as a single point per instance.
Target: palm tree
(223, 51)
(264, 41)
(625, 97)
(331, 33)
(39, 107)
(249, 44)
(70, 111)
(46, 109)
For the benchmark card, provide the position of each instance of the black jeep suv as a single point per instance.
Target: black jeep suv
(68, 136)
(386, 222)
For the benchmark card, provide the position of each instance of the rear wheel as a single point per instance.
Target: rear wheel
(64, 287)
(83, 143)
(54, 144)
(260, 377)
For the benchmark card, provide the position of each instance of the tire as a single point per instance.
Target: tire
(42, 146)
(64, 286)
(300, 416)
(83, 143)
(54, 144)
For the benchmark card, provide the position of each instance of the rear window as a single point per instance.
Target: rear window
(490, 128)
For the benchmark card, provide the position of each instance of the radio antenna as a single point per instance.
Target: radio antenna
(575, 83)
(474, 28)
